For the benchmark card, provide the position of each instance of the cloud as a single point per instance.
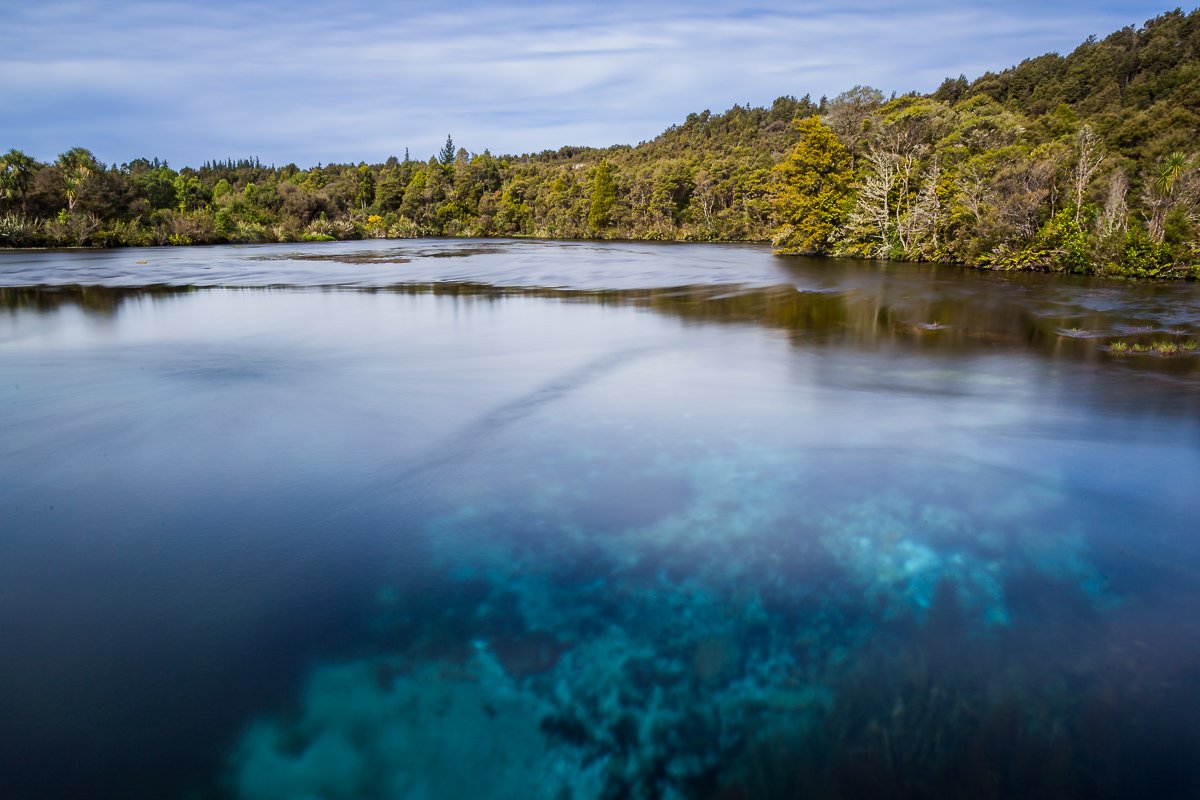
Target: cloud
(308, 82)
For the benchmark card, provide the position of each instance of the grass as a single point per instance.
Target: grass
(1160, 348)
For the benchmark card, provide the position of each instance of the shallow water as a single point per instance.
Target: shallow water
(595, 520)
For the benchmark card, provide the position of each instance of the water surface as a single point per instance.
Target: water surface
(598, 520)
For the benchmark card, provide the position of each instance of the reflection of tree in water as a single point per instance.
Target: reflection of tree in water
(881, 314)
(101, 300)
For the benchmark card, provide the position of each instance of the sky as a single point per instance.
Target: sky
(325, 82)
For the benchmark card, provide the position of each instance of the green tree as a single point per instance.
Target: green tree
(156, 186)
(413, 205)
(813, 194)
(364, 193)
(77, 165)
(604, 198)
(447, 153)
(1172, 185)
(16, 173)
(389, 189)
(190, 193)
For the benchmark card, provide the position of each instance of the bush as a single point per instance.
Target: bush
(17, 230)
(1142, 257)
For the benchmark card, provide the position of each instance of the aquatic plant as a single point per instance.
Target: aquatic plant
(722, 637)
(378, 728)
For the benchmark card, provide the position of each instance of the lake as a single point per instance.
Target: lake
(519, 519)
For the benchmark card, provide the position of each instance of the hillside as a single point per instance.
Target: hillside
(1084, 163)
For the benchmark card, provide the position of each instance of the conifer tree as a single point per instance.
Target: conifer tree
(446, 154)
(813, 195)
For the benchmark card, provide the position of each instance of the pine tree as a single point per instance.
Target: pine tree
(446, 154)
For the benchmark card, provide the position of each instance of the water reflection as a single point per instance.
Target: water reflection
(863, 317)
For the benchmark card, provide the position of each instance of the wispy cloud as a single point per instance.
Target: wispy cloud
(308, 81)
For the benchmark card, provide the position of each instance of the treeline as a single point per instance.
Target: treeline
(1085, 163)
(709, 179)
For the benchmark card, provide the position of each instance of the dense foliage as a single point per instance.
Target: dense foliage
(1086, 163)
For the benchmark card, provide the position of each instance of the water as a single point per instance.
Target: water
(522, 519)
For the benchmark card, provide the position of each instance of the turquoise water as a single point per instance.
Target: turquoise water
(521, 519)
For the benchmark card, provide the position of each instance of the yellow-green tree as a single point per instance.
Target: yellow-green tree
(813, 193)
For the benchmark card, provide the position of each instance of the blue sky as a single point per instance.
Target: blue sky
(310, 82)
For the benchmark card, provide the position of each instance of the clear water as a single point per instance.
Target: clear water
(526, 519)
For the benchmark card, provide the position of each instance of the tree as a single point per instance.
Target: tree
(190, 193)
(812, 196)
(447, 153)
(1172, 185)
(364, 192)
(925, 219)
(412, 206)
(77, 165)
(604, 198)
(1114, 217)
(847, 115)
(389, 189)
(156, 187)
(16, 173)
(1090, 156)
(886, 209)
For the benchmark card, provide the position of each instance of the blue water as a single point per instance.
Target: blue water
(520, 519)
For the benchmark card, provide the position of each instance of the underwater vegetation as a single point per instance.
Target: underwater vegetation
(726, 645)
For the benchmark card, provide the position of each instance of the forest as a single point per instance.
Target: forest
(1086, 163)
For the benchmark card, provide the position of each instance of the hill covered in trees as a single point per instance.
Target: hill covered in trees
(1082, 163)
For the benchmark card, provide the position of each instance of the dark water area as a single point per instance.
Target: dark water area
(442, 519)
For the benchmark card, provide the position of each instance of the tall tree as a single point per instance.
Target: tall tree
(813, 195)
(447, 153)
